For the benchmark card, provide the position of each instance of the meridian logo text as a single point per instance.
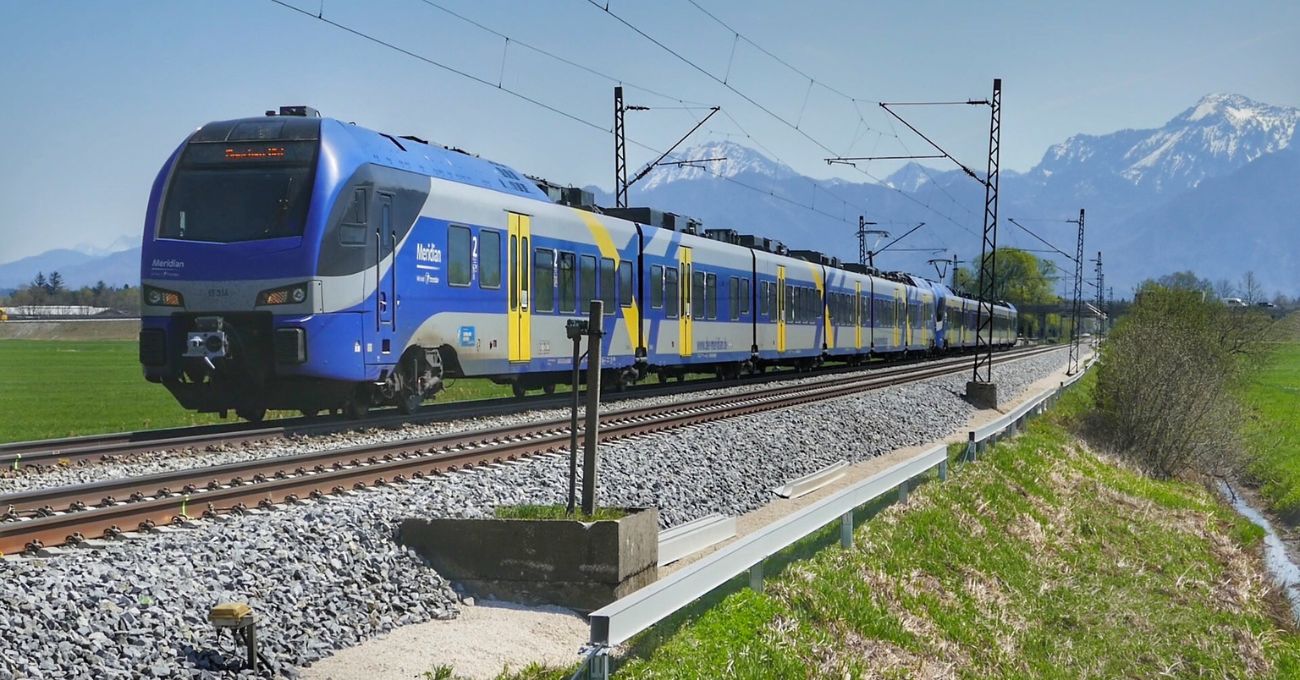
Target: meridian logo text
(427, 253)
(172, 263)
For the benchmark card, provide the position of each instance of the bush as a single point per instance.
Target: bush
(1165, 388)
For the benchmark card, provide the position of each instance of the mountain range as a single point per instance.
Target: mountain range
(1213, 190)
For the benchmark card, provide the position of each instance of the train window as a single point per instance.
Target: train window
(544, 277)
(489, 259)
(353, 229)
(711, 294)
(586, 281)
(697, 293)
(762, 299)
(625, 283)
(671, 292)
(459, 246)
(789, 303)
(656, 286)
(568, 283)
(523, 267)
(771, 300)
(744, 296)
(607, 277)
(733, 298)
(514, 273)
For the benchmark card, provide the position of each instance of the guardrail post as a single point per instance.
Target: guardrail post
(600, 666)
(943, 471)
(756, 577)
(846, 530)
(902, 491)
(972, 451)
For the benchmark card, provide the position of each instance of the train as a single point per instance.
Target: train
(298, 262)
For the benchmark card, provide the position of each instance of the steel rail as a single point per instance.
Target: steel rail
(113, 446)
(391, 462)
(47, 500)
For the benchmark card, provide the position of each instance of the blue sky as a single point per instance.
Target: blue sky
(97, 95)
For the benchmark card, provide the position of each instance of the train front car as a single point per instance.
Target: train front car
(267, 242)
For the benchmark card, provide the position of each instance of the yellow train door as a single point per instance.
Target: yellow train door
(519, 323)
(685, 331)
(781, 302)
(856, 314)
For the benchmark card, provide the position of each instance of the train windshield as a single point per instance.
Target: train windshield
(227, 192)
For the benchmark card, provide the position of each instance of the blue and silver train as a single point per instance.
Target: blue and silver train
(297, 262)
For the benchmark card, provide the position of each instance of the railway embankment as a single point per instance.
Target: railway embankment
(71, 329)
(1045, 559)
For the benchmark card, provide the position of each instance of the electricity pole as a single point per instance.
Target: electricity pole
(1101, 295)
(863, 232)
(1073, 366)
(981, 388)
(620, 153)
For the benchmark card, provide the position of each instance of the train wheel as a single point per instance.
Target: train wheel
(310, 412)
(408, 401)
(252, 415)
(357, 406)
(518, 390)
(548, 388)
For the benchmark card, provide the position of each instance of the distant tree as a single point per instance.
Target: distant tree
(1224, 289)
(1252, 290)
(1021, 278)
(1186, 280)
(40, 282)
(1281, 301)
(56, 283)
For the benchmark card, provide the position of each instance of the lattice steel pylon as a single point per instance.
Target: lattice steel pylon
(1101, 298)
(620, 154)
(983, 372)
(1073, 365)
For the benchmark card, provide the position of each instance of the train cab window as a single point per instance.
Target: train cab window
(625, 283)
(489, 259)
(544, 280)
(459, 247)
(744, 297)
(697, 293)
(656, 286)
(352, 231)
(671, 292)
(568, 283)
(607, 278)
(586, 282)
(733, 298)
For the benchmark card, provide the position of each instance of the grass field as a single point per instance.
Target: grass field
(1273, 430)
(1043, 560)
(53, 388)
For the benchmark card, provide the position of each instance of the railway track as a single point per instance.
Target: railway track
(37, 518)
(114, 446)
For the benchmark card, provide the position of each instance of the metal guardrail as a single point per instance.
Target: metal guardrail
(621, 620)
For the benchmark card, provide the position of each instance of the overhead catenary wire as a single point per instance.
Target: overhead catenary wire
(536, 102)
(793, 126)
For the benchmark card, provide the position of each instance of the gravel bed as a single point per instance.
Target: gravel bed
(327, 575)
(168, 460)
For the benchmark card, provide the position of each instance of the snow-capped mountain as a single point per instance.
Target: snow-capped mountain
(738, 160)
(909, 178)
(1218, 135)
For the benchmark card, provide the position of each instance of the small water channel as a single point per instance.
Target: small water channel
(1285, 572)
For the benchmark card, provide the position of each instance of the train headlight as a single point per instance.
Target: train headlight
(161, 297)
(284, 295)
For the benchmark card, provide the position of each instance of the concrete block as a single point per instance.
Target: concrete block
(582, 566)
(982, 394)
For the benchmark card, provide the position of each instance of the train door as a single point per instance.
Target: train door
(519, 319)
(781, 302)
(685, 320)
(385, 281)
(856, 314)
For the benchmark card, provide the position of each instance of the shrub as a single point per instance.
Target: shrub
(1165, 386)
